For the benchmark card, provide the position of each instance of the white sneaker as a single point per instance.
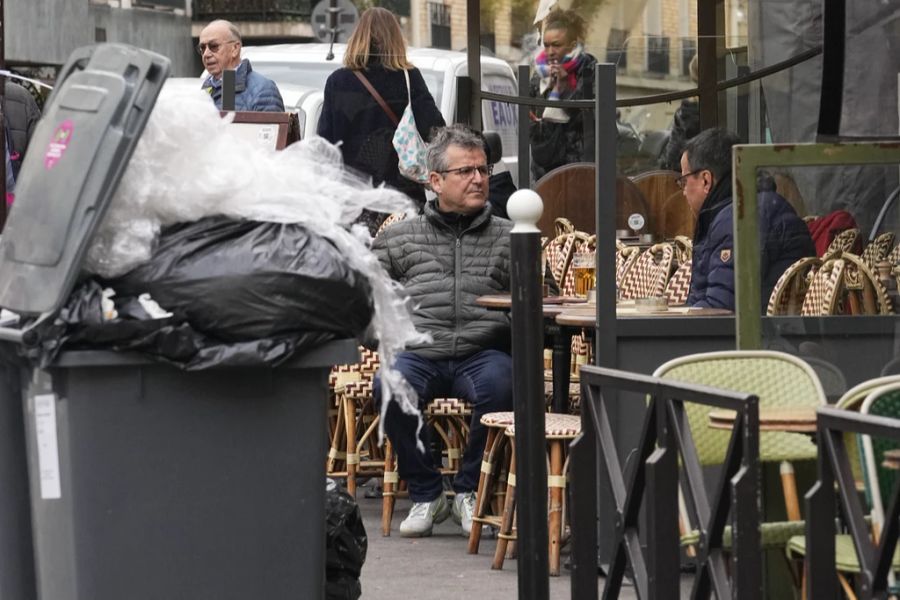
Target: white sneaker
(423, 515)
(464, 510)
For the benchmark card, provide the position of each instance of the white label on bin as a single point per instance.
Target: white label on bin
(47, 445)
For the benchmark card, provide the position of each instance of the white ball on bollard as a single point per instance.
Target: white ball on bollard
(524, 208)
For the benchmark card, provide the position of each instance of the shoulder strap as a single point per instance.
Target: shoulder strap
(387, 109)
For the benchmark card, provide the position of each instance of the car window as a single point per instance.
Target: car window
(501, 117)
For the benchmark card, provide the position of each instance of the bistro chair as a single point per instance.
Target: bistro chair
(559, 431)
(878, 249)
(876, 396)
(449, 419)
(823, 293)
(649, 274)
(626, 256)
(893, 256)
(492, 481)
(791, 288)
(845, 241)
(679, 285)
(780, 381)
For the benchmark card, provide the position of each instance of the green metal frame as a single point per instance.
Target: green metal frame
(746, 160)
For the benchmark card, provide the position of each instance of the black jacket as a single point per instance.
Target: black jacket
(22, 114)
(686, 125)
(556, 144)
(352, 116)
(784, 238)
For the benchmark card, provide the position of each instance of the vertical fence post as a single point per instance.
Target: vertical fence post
(525, 208)
(524, 128)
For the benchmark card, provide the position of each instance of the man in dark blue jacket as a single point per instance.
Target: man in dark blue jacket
(220, 49)
(706, 183)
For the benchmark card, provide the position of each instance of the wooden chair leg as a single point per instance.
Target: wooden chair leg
(509, 509)
(789, 487)
(389, 489)
(336, 451)
(848, 589)
(352, 454)
(556, 483)
(481, 494)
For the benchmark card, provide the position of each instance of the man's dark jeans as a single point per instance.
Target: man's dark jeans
(483, 379)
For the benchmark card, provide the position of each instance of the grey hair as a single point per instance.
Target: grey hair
(711, 150)
(452, 135)
(232, 29)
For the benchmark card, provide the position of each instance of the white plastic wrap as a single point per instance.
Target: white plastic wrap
(191, 164)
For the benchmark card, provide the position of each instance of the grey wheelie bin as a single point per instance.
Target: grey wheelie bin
(17, 566)
(148, 482)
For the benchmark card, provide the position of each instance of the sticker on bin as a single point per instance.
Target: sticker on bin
(47, 445)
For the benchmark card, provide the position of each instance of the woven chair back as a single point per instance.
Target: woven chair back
(684, 249)
(790, 289)
(392, 218)
(863, 293)
(878, 249)
(778, 379)
(583, 245)
(823, 295)
(853, 400)
(893, 256)
(879, 480)
(626, 256)
(562, 226)
(679, 286)
(649, 274)
(843, 242)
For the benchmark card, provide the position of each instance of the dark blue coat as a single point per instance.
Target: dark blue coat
(252, 91)
(784, 238)
(351, 115)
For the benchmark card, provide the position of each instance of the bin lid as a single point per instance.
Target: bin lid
(76, 157)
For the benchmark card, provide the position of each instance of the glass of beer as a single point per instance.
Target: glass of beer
(584, 269)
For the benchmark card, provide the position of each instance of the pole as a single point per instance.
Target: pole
(3, 148)
(525, 208)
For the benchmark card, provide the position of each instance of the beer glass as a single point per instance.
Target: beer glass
(584, 270)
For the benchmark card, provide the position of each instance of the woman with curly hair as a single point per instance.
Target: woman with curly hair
(562, 71)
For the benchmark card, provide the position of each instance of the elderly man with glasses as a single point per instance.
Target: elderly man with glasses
(220, 49)
(706, 184)
(445, 258)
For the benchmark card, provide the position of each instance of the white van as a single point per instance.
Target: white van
(303, 68)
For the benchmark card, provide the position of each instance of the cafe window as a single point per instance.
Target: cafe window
(439, 17)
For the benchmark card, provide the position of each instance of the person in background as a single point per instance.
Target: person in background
(220, 49)
(444, 259)
(562, 71)
(706, 183)
(685, 125)
(352, 115)
(21, 115)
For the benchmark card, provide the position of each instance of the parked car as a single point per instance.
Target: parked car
(300, 71)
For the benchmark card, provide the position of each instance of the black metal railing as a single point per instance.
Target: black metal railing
(651, 485)
(834, 467)
(252, 10)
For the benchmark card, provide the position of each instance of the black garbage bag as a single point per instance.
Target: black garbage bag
(243, 280)
(345, 545)
(82, 325)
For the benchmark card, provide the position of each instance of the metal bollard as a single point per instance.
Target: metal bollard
(525, 208)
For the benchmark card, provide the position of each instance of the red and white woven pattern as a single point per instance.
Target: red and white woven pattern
(556, 426)
(844, 242)
(679, 285)
(823, 294)
(499, 419)
(790, 289)
(648, 277)
(625, 259)
(559, 253)
(582, 246)
(393, 218)
(447, 407)
(878, 249)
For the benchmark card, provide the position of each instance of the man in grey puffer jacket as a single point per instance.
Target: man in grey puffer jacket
(447, 257)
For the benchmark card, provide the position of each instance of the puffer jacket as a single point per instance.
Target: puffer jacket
(252, 91)
(22, 114)
(444, 266)
(556, 144)
(784, 238)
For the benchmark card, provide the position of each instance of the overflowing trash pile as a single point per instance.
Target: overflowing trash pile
(218, 252)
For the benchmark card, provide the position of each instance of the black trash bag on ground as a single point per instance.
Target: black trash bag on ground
(345, 545)
(82, 325)
(243, 280)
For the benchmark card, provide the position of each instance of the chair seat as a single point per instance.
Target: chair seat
(574, 389)
(556, 426)
(844, 553)
(773, 535)
(499, 419)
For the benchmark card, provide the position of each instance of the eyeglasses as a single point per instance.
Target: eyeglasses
(680, 180)
(468, 172)
(213, 46)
